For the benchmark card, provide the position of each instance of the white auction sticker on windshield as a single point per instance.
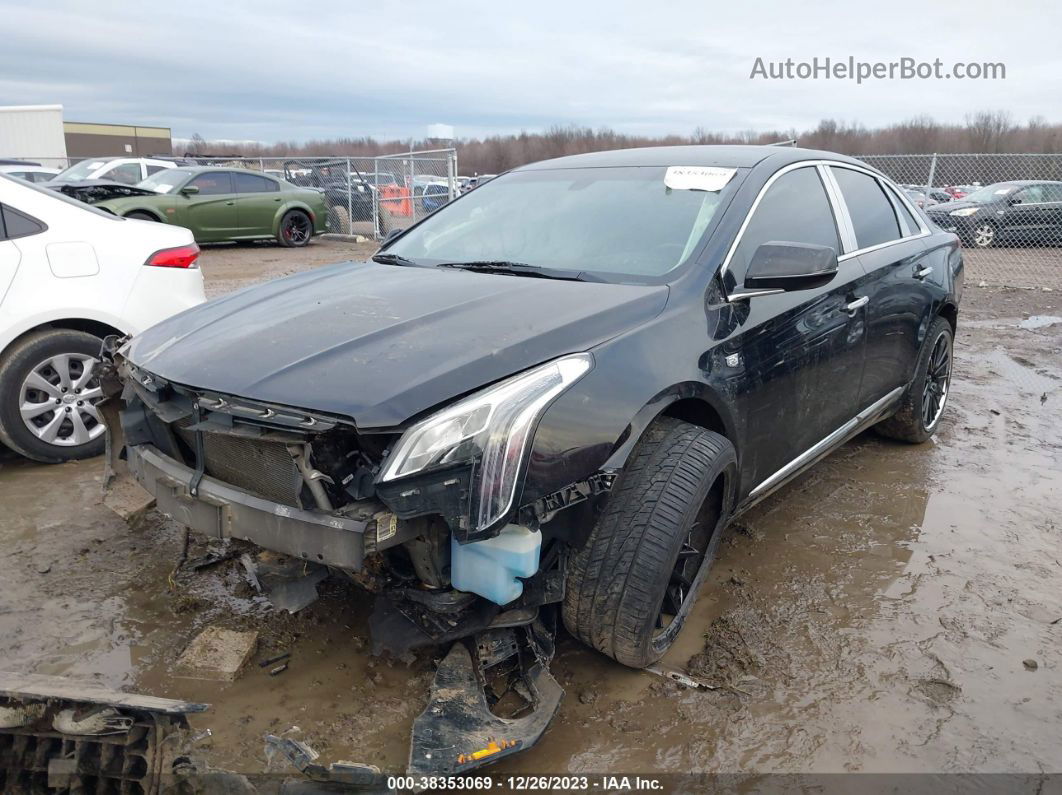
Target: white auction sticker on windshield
(698, 177)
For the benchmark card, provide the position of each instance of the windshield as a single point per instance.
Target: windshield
(991, 193)
(166, 180)
(622, 221)
(79, 171)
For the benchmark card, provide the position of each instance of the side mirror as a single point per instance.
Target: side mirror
(392, 235)
(1014, 200)
(778, 265)
(190, 190)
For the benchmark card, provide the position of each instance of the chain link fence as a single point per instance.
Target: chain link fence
(369, 196)
(1005, 208)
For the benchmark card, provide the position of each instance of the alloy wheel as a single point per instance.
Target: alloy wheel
(938, 380)
(692, 556)
(984, 235)
(58, 400)
(297, 228)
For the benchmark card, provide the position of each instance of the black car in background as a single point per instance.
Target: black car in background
(1019, 212)
(552, 394)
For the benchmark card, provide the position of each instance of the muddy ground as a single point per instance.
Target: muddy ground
(898, 608)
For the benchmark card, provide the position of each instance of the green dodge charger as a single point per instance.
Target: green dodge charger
(220, 204)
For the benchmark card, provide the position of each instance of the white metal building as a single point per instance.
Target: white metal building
(34, 132)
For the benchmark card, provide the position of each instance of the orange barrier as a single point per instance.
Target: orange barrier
(396, 200)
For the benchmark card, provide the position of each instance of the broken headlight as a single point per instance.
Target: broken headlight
(491, 430)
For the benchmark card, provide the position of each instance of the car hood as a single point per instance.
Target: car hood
(98, 190)
(382, 343)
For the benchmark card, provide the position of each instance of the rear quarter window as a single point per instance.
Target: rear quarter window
(17, 224)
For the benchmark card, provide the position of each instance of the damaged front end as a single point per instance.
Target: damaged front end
(424, 518)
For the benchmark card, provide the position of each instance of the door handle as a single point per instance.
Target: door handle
(921, 274)
(229, 204)
(852, 306)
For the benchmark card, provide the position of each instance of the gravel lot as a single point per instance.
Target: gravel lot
(875, 615)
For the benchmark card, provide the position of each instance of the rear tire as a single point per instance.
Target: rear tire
(296, 229)
(631, 586)
(339, 220)
(23, 366)
(923, 403)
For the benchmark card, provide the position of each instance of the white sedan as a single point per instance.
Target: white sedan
(69, 276)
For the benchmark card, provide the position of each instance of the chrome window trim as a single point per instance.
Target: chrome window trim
(840, 212)
(841, 216)
(756, 203)
(886, 185)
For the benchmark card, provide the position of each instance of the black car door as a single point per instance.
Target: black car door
(889, 240)
(1027, 215)
(798, 354)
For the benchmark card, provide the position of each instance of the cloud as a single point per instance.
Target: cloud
(269, 71)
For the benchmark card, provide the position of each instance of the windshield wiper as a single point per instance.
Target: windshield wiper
(519, 269)
(393, 259)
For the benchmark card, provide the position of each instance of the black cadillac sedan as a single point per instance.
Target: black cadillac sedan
(556, 390)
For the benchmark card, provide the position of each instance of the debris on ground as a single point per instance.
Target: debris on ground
(679, 677)
(303, 758)
(128, 499)
(274, 659)
(217, 653)
(289, 583)
(1030, 664)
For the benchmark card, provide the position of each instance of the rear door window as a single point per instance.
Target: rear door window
(795, 209)
(873, 216)
(252, 183)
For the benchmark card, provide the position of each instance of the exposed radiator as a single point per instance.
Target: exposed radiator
(260, 467)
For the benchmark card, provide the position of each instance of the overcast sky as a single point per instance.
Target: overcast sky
(268, 71)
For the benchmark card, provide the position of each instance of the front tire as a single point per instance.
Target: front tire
(48, 392)
(923, 404)
(137, 215)
(984, 235)
(296, 229)
(631, 586)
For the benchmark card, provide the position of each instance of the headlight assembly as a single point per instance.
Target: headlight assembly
(490, 430)
(965, 211)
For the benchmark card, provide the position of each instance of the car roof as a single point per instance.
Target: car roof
(730, 156)
(237, 169)
(1025, 182)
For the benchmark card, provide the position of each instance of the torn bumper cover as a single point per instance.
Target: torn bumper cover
(221, 511)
